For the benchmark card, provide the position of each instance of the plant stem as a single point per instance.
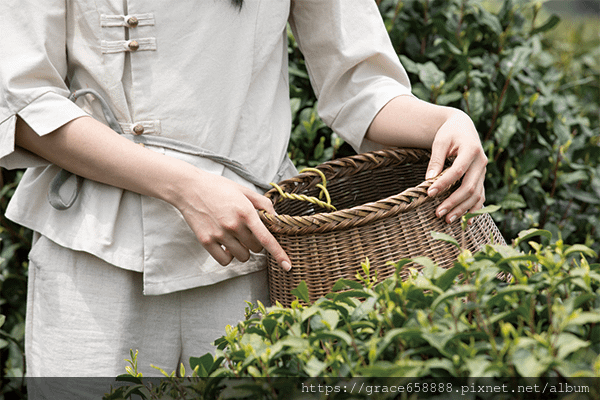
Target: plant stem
(497, 109)
(552, 189)
(425, 21)
(564, 216)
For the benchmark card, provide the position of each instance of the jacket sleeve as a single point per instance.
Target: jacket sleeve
(33, 69)
(352, 64)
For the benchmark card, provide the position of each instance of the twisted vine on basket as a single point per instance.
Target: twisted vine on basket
(310, 199)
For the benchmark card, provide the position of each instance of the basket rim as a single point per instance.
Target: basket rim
(359, 215)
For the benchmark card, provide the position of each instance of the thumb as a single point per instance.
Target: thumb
(259, 201)
(436, 162)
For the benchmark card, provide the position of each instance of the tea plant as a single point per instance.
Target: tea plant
(463, 322)
(457, 322)
(15, 242)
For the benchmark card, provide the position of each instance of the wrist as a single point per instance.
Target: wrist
(177, 183)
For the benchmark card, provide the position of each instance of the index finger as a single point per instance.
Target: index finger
(459, 167)
(269, 243)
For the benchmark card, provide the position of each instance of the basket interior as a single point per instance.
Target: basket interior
(355, 188)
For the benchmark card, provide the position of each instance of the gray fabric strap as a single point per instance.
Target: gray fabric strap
(54, 191)
(181, 147)
(62, 176)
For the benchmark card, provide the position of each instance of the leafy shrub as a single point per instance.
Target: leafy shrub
(544, 321)
(457, 322)
(14, 246)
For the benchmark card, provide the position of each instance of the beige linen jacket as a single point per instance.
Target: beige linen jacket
(198, 71)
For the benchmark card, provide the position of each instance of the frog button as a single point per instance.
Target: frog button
(132, 22)
(133, 45)
(138, 129)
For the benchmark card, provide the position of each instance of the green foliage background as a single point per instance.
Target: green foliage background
(533, 94)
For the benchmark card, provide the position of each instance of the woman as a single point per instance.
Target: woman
(161, 246)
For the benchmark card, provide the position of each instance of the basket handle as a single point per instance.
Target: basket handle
(311, 199)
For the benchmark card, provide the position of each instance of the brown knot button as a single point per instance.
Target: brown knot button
(132, 22)
(133, 45)
(138, 129)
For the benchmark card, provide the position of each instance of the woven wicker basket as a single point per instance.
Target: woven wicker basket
(383, 213)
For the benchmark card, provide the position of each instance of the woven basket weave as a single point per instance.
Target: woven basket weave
(384, 214)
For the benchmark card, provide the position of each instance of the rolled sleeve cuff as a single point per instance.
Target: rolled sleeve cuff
(44, 115)
(354, 119)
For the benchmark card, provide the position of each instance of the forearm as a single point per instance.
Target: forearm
(90, 149)
(221, 213)
(409, 122)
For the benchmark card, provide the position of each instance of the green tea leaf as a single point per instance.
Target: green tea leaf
(453, 292)
(425, 261)
(573, 177)
(476, 104)
(309, 312)
(513, 201)
(444, 281)
(447, 98)
(528, 364)
(508, 126)
(431, 76)
(548, 25)
(478, 366)
(204, 364)
(579, 248)
(409, 65)
(335, 334)
(129, 378)
(490, 20)
(445, 237)
(438, 340)
(393, 334)
(301, 292)
(567, 343)
(584, 318)
(343, 284)
(314, 367)
(494, 300)
(530, 233)
(331, 318)
(516, 61)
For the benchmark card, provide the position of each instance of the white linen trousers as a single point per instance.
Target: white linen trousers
(84, 315)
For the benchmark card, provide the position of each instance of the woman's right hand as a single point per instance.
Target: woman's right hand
(223, 215)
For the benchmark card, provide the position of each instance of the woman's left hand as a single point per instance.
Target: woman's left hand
(409, 122)
(458, 137)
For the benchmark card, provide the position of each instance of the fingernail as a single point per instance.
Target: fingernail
(429, 175)
(286, 266)
(442, 213)
(432, 192)
(452, 218)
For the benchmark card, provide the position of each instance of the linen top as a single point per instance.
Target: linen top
(197, 71)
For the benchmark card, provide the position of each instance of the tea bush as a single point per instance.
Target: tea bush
(15, 242)
(457, 322)
(463, 322)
